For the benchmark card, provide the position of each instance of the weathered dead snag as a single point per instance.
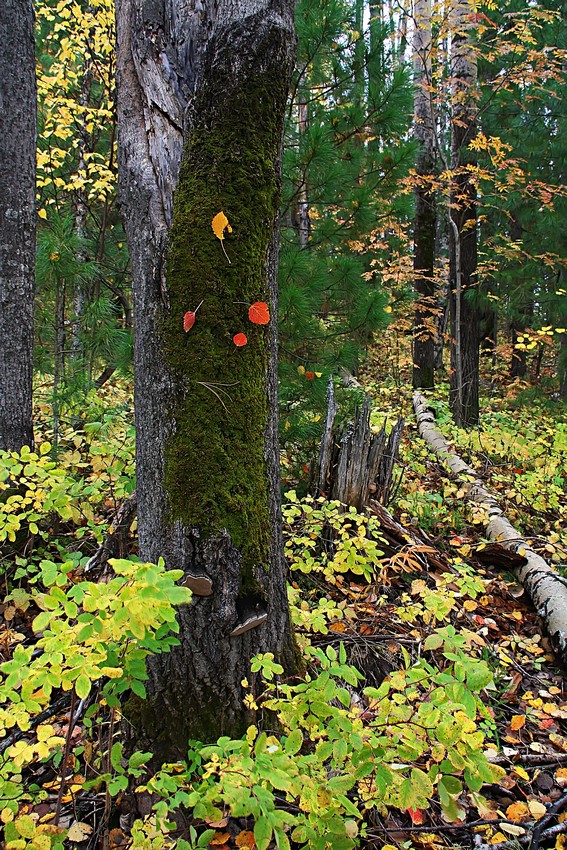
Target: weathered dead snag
(547, 589)
(354, 463)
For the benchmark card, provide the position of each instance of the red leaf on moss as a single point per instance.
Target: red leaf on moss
(239, 340)
(259, 313)
(189, 318)
(309, 376)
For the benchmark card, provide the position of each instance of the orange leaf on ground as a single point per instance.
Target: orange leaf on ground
(518, 812)
(239, 340)
(517, 722)
(219, 838)
(245, 840)
(416, 816)
(259, 313)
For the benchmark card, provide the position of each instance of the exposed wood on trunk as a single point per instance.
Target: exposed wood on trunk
(547, 590)
(356, 464)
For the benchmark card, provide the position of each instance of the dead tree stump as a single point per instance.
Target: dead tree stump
(355, 464)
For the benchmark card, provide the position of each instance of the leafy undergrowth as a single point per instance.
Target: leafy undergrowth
(431, 713)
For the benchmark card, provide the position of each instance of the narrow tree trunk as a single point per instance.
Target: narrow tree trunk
(546, 588)
(301, 218)
(424, 227)
(519, 363)
(207, 456)
(465, 319)
(17, 221)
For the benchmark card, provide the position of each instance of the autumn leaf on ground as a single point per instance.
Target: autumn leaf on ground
(245, 840)
(259, 313)
(239, 340)
(517, 722)
(219, 839)
(79, 831)
(219, 225)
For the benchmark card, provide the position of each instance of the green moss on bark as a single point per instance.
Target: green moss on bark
(216, 475)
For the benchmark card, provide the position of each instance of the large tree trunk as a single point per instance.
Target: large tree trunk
(207, 455)
(465, 318)
(17, 221)
(424, 227)
(546, 588)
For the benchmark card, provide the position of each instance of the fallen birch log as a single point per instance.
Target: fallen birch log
(547, 589)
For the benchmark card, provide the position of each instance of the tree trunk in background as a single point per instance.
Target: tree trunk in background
(301, 218)
(18, 98)
(562, 364)
(206, 416)
(519, 363)
(562, 361)
(465, 317)
(424, 227)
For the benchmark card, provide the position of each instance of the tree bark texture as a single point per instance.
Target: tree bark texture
(210, 80)
(425, 218)
(465, 317)
(546, 588)
(17, 221)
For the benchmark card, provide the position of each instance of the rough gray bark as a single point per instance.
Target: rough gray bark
(17, 221)
(465, 317)
(547, 589)
(425, 217)
(209, 79)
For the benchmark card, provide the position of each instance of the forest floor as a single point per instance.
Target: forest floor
(441, 592)
(520, 452)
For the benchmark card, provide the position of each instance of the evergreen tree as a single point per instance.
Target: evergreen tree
(342, 169)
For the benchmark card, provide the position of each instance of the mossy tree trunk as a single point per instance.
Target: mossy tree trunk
(202, 97)
(425, 216)
(17, 221)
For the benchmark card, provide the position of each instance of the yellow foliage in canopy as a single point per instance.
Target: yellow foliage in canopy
(76, 145)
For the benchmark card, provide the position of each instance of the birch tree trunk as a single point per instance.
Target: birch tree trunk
(465, 318)
(202, 91)
(425, 217)
(18, 98)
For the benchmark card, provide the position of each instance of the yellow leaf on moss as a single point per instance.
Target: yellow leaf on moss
(220, 224)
